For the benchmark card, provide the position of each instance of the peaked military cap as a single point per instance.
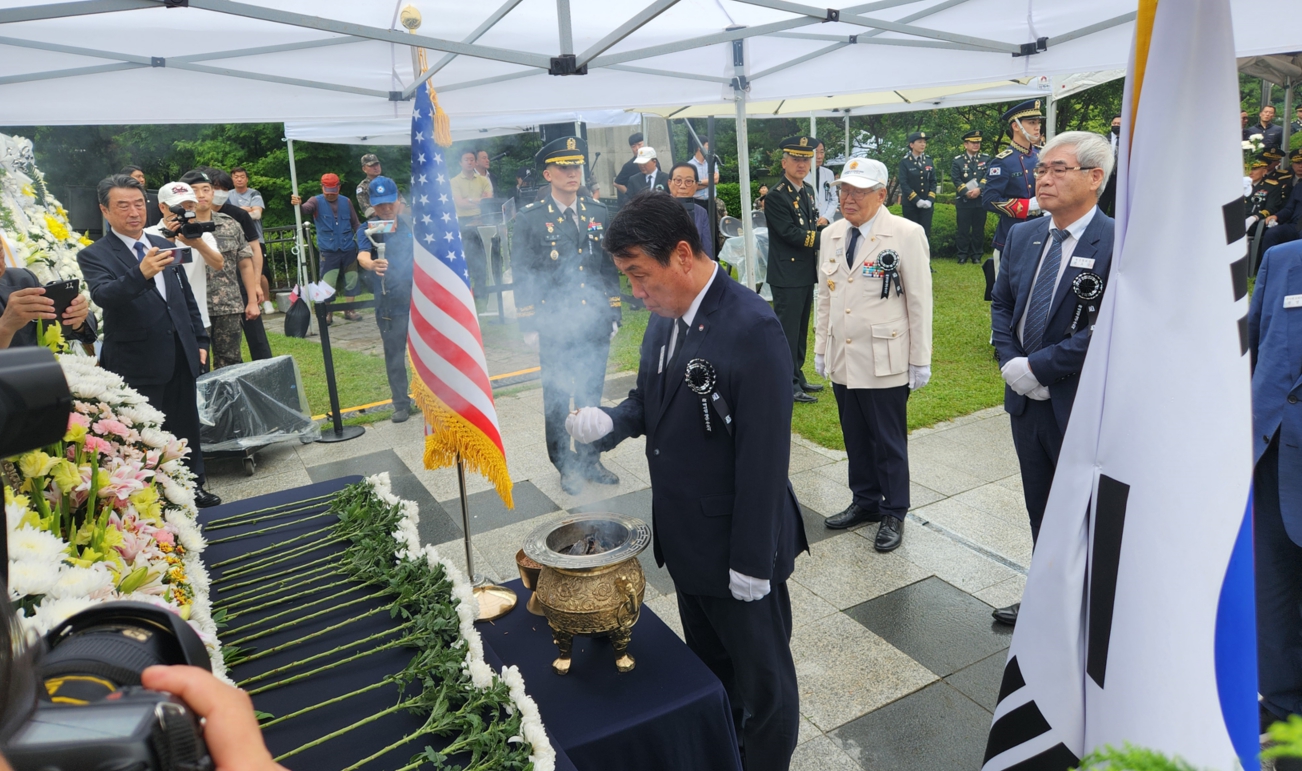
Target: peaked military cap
(1296, 156)
(1272, 153)
(800, 147)
(915, 136)
(566, 151)
(1028, 109)
(972, 136)
(1258, 163)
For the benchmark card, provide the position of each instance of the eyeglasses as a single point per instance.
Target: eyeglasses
(1058, 171)
(850, 191)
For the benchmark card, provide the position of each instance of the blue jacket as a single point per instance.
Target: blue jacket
(1275, 340)
(334, 226)
(141, 329)
(1058, 364)
(719, 501)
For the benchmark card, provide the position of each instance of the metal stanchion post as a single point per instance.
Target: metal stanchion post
(341, 433)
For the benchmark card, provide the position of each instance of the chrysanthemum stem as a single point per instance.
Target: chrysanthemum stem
(293, 573)
(265, 530)
(273, 547)
(277, 599)
(246, 514)
(301, 662)
(263, 563)
(333, 734)
(309, 617)
(326, 667)
(298, 609)
(292, 582)
(307, 637)
(335, 700)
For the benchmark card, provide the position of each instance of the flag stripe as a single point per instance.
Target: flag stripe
(1017, 727)
(1239, 274)
(459, 387)
(458, 405)
(1109, 525)
(435, 280)
(1234, 220)
(1012, 681)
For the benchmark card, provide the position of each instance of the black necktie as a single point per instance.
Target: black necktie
(849, 251)
(678, 344)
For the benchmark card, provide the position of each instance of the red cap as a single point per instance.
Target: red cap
(330, 183)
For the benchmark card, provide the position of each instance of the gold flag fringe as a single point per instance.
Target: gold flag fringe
(451, 435)
(442, 125)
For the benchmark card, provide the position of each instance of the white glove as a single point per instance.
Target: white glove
(1249, 222)
(918, 376)
(1017, 374)
(1039, 393)
(820, 364)
(614, 330)
(531, 340)
(589, 424)
(1033, 205)
(745, 588)
(924, 204)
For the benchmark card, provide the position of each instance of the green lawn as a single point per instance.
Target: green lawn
(964, 375)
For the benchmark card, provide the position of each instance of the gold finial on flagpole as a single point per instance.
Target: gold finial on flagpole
(410, 18)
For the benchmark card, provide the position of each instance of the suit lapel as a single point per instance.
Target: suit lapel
(674, 380)
(878, 240)
(1086, 249)
(1026, 278)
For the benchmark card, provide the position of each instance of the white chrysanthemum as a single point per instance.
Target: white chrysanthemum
(92, 582)
(28, 578)
(154, 437)
(29, 544)
(13, 513)
(52, 612)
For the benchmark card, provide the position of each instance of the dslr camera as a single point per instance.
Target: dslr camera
(73, 700)
(189, 227)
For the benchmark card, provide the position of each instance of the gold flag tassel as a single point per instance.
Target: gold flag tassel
(409, 17)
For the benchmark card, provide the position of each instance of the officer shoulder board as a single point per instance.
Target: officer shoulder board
(1272, 181)
(960, 155)
(1007, 152)
(531, 207)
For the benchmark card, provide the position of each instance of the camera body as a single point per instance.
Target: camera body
(189, 228)
(132, 728)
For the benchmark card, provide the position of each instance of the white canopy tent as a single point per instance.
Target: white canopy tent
(397, 131)
(206, 61)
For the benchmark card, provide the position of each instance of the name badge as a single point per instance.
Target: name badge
(1082, 262)
(661, 369)
(1293, 301)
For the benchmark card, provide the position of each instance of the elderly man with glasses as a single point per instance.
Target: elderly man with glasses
(872, 339)
(682, 185)
(1049, 289)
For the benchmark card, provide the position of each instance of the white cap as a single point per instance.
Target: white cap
(864, 173)
(175, 192)
(645, 155)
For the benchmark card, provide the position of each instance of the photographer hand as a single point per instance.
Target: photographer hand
(230, 727)
(25, 306)
(155, 261)
(76, 314)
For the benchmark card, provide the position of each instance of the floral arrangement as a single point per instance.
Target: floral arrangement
(447, 682)
(34, 223)
(107, 513)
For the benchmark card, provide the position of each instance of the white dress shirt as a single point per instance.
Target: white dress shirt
(1074, 231)
(689, 316)
(196, 271)
(159, 282)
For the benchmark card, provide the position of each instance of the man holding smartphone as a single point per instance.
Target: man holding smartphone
(24, 303)
(204, 248)
(393, 273)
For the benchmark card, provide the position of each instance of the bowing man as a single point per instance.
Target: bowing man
(713, 397)
(1050, 285)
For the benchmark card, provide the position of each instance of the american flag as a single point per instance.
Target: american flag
(447, 352)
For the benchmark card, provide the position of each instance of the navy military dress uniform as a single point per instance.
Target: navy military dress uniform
(1289, 215)
(792, 216)
(970, 214)
(1010, 178)
(917, 178)
(567, 290)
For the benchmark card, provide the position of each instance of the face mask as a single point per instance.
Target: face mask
(1116, 131)
(219, 197)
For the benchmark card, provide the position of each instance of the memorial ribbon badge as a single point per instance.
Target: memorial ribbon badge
(889, 264)
(701, 378)
(1088, 287)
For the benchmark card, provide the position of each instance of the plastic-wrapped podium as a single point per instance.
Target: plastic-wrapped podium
(245, 407)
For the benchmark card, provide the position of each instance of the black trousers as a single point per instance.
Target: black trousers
(874, 423)
(747, 645)
(1280, 234)
(177, 400)
(255, 333)
(1279, 594)
(793, 304)
(392, 319)
(476, 258)
(920, 216)
(1038, 441)
(969, 240)
(573, 370)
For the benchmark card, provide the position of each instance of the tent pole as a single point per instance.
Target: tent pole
(1288, 115)
(743, 172)
(709, 195)
(299, 250)
(813, 125)
(847, 136)
(1051, 117)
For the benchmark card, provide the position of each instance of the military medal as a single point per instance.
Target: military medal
(831, 285)
(555, 254)
(889, 263)
(550, 226)
(1088, 287)
(701, 379)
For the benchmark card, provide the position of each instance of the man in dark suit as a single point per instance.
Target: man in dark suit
(648, 176)
(1049, 288)
(713, 398)
(153, 334)
(794, 226)
(1275, 340)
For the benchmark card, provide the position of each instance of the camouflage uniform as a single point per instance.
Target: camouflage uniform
(225, 303)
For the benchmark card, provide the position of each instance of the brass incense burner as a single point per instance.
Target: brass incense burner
(591, 582)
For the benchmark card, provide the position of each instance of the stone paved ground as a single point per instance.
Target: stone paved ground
(897, 657)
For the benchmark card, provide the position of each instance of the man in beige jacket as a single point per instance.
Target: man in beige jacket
(873, 341)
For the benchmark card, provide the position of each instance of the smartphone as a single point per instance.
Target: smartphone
(182, 255)
(383, 226)
(62, 293)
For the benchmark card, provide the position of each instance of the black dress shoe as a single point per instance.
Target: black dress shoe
(1007, 616)
(595, 472)
(804, 398)
(811, 388)
(854, 514)
(571, 482)
(204, 499)
(400, 415)
(890, 534)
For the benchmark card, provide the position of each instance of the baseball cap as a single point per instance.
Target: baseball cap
(330, 183)
(647, 153)
(370, 159)
(383, 190)
(863, 173)
(175, 192)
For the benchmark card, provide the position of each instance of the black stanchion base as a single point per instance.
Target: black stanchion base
(344, 434)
